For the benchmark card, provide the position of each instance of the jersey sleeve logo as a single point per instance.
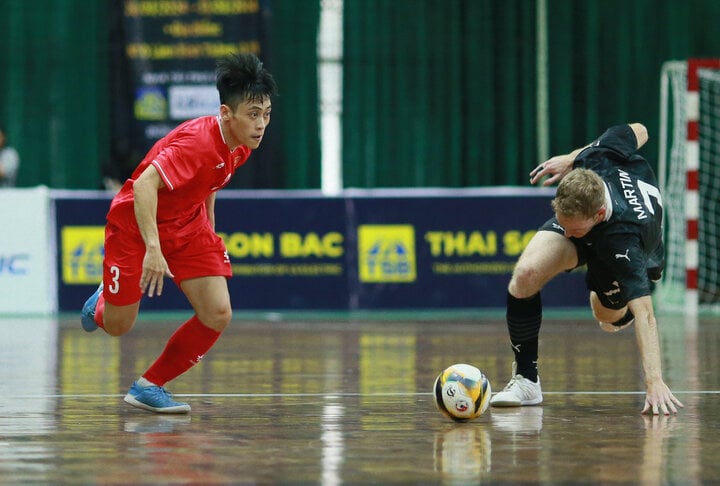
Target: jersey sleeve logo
(625, 255)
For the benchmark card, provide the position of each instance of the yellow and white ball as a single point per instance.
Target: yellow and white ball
(462, 392)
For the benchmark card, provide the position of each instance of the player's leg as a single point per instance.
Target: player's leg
(210, 299)
(119, 319)
(92, 310)
(186, 347)
(606, 302)
(115, 304)
(547, 254)
(114, 320)
(610, 320)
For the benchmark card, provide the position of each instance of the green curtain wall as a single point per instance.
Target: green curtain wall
(444, 92)
(54, 89)
(436, 92)
(289, 156)
(295, 112)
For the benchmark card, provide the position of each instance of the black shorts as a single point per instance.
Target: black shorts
(553, 225)
(602, 276)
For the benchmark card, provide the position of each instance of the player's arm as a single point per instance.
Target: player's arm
(210, 208)
(155, 267)
(559, 166)
(641, 133)
(556, 167)
(659, 398)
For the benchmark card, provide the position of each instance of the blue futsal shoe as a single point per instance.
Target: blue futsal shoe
(154, 399)
(87, 315)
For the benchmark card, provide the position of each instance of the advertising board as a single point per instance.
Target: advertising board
(364, 250)
(27, 250)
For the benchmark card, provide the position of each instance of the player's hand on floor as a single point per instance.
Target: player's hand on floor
(659, 399)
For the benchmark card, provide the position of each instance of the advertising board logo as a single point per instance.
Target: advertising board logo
(14, 264)
(150, 104)
(82, 254)
(386, 253)
(192, 101)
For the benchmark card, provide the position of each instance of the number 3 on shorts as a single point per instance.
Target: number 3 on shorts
(114, 286)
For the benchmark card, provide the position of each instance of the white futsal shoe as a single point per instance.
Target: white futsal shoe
(519, 392)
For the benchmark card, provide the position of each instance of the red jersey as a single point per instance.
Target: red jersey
(193, 161)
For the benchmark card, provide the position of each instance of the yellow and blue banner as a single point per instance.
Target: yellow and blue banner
(412, 249)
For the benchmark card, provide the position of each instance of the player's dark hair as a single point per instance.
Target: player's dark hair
(241, 77)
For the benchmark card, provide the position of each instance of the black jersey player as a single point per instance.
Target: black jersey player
(608, 215)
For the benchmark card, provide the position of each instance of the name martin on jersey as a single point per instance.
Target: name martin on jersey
(630, 194)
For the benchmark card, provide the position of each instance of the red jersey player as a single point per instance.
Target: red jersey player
(162, 223)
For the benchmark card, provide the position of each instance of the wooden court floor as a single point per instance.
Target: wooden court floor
(346, 402)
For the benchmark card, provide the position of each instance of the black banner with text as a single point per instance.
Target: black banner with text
(404, 251)
(163, 67)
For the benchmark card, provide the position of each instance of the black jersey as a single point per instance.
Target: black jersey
(626, 251)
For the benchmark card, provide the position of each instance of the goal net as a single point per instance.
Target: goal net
(689, 177)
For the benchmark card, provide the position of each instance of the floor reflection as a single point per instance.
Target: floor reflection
(463, 455)
(324, 403)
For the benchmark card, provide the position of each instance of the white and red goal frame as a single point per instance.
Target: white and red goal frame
(692, 164)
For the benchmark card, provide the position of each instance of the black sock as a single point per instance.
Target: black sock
(524, 317)
(624, 319)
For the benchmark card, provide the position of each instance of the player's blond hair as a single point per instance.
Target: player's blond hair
(581, 193)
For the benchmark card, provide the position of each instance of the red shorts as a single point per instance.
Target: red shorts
(199, 254)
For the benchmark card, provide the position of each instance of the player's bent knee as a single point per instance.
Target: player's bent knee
(118, 327)
(119, 320)
(524, 282)
(609, 317)
(602, 313)
(217, 318)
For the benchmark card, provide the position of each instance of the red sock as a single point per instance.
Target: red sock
(185, 348)
(100, 310)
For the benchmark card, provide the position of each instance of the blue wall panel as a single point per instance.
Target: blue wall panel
(367, 250)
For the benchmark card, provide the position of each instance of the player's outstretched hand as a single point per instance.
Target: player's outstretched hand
(659, 399)
(556, 167)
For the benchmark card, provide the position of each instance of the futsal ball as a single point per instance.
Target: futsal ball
(462, 392)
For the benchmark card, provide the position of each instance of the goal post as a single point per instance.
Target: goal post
(689, 282)
(709, 189)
